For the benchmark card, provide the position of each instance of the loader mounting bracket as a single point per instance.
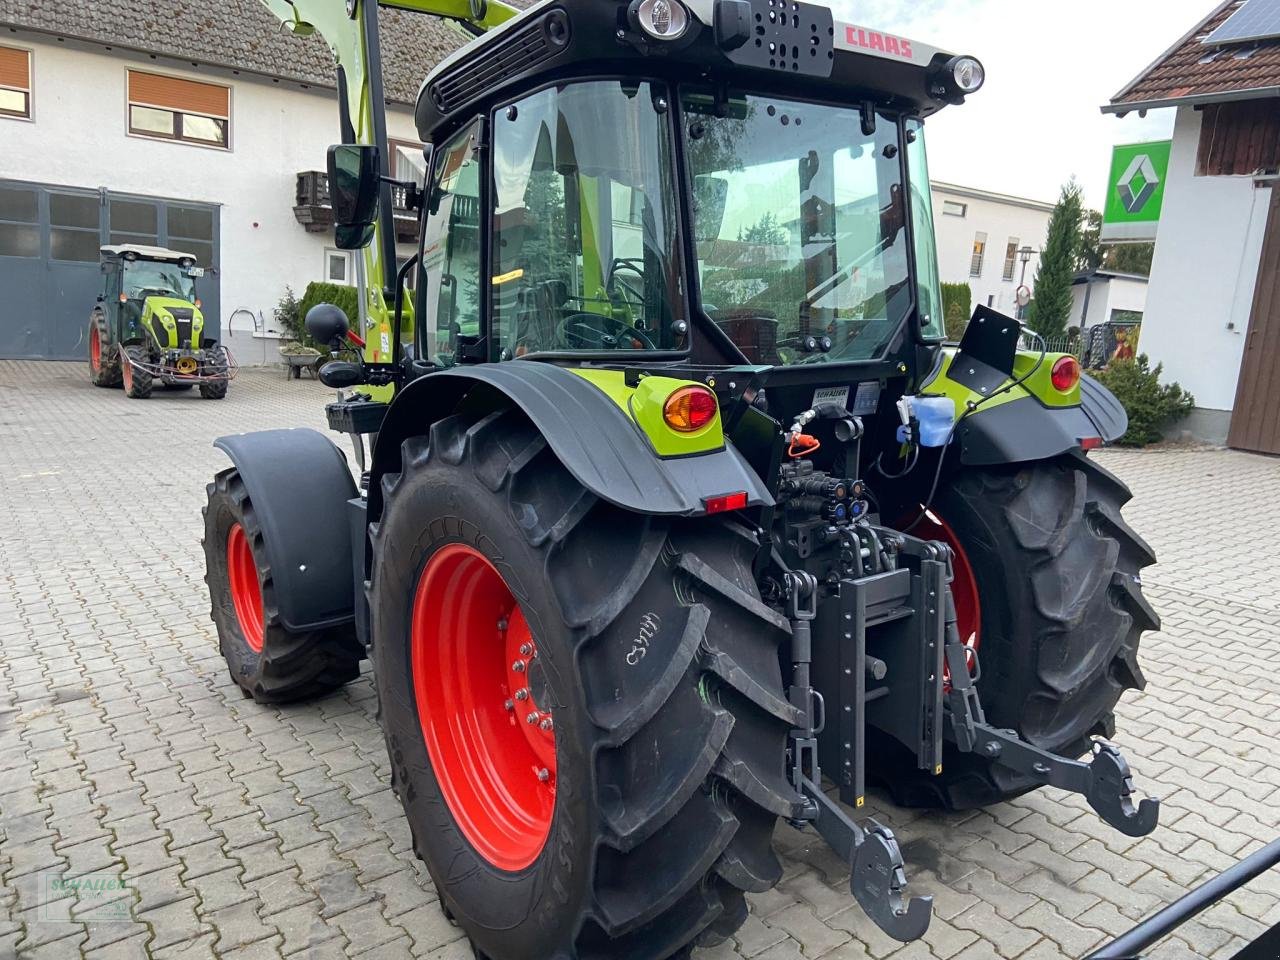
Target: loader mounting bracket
(1104, 781)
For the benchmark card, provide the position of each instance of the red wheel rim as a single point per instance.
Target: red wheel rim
(95, 348)
(246, 593)
(964, 586)
(477, 682)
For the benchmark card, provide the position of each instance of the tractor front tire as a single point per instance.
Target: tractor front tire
(137, 382)
(583, 706)
(1057, 573)
(269, 662)
(216, 389)
(104, 356)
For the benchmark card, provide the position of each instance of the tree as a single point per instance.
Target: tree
(1121, 257)
(1052, 306)
(1091, 252)
(1131, 258)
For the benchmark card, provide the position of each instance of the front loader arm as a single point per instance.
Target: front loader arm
(350, 28)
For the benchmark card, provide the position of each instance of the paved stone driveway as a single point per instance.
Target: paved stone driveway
(145, 807)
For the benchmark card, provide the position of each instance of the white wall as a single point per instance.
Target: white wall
(1204, 272)
(78, 138)
(1105, 294)
(1001, 221)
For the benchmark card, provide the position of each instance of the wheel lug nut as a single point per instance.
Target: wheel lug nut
(522, 693)
(502, 624)
(509, 705)
(544, 774)
(546, 724)
(526, 649)
(533, 717)
(518, 666)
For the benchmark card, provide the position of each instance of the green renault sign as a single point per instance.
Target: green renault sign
(1135, 191)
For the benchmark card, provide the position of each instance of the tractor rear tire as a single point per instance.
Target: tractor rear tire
(269, 662)
(104, 356)
(1062, 613)
(216, 389)
(647, 815)
(137, 382)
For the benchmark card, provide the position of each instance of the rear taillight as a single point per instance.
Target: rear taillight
(726, 502)
(1090, 443)
(690, 409)
(1065, 374)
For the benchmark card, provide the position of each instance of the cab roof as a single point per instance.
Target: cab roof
(142, 252)
(786, 47)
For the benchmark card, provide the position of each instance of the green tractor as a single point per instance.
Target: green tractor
(671, 507)
(147, 328)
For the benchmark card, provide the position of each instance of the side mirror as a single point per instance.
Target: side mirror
(710, 194)
(352, 236)
(327, 324)
(353, 191)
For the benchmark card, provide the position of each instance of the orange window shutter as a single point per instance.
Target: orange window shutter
(15, 68)
(185, 96)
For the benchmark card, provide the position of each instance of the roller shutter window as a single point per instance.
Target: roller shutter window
(15, 83)
(172, 108)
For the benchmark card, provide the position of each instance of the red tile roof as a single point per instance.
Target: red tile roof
(1195, 72)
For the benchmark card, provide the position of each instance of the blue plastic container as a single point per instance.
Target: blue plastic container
(936, 415)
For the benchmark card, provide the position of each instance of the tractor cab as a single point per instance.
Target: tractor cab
(674, 500)
(148, 324)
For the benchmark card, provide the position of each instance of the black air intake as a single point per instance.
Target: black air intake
(523, 50)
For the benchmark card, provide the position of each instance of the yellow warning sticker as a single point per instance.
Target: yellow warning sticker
(505, 277)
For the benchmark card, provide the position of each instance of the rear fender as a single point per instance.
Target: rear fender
(1024, 429)
(592, 436)
(299, 484)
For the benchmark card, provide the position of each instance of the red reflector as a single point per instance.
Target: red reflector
(1065, 374)
(1090, 443)
(689, 409)
(725, 502)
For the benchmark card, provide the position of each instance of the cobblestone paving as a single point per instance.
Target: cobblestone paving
(211, 826)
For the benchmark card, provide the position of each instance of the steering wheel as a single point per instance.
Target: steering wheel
(626, 290)
(594, 331)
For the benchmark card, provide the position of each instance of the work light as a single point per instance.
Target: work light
(967, 74)
(662, 19)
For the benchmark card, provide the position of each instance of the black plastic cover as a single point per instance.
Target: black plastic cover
(598, 443)
(1021, 431)
(1103, 409)
(299, 485)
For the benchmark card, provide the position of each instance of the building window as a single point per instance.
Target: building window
(1010, 258)
(15, 83)
(979, 254)
(174, 109)
(337, 267)
(408, 162)
(953, 209)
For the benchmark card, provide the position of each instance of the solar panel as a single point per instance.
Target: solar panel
(1256, 20)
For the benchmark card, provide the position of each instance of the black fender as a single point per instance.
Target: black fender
(1024, 430)
(597, 443)
(299, 484)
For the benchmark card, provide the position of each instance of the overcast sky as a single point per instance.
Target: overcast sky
(1050, 65)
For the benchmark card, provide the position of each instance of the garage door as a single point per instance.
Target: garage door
(49, 240)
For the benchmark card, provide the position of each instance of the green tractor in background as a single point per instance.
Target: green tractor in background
(147, 326)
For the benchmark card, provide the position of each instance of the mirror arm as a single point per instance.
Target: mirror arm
(401, 275)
